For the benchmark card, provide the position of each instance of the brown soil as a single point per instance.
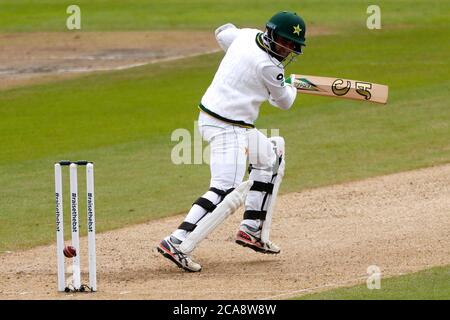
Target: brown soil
(329, 236)
(27, 57)
(36, 57)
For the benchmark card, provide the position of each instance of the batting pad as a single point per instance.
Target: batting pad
(228, 206)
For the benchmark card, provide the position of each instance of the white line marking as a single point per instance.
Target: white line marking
(94, 69)
(124, 292)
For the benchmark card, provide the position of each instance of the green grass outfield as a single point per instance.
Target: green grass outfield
(123, 120)
(431, 284)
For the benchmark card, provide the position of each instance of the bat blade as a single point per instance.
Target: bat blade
(340, 88)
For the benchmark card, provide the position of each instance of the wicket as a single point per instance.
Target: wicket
(76, 284)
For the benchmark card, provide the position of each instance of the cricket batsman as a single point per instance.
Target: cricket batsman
(251, 72)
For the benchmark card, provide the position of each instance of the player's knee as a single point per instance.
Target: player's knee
(260, 152)
(279, 153)
(278, 143)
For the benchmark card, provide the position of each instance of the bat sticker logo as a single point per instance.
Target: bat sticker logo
(337, 88)
(305, 84)
(363, 88)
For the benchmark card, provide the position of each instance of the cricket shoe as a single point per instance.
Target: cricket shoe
(251, 238)
(169, 248)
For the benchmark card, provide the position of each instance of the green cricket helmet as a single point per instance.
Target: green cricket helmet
(288, 25)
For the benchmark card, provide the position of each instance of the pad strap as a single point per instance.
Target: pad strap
(205, 204)
(255, 214)
(187, 226)
(262, 187)
(221, 193)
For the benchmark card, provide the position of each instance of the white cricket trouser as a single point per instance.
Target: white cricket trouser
(230, 148)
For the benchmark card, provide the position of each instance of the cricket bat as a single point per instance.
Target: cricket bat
(339, 88)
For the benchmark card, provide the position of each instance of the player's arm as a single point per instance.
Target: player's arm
(226, 34)
(280, 96)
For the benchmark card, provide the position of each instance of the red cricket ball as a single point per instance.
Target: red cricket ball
(69, 252)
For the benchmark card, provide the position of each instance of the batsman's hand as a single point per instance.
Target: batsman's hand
(288, 81)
